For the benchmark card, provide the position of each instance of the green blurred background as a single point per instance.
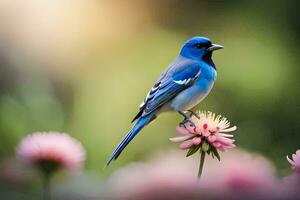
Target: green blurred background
(83, 67)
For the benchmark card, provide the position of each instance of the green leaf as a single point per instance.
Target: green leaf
(205, 146)
(216, 153)
(208, 151)
(192, 150)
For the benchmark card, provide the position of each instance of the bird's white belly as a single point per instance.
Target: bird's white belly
(190, 97)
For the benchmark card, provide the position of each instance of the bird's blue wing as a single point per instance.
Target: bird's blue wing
(180, 75)
(169, 86)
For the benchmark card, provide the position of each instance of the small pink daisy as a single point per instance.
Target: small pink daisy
(210, 134)
(210, 128)
(51, 151)
(295, 161)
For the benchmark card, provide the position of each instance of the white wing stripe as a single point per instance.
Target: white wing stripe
(180, 82)
(198, 74)
(150, 94)
(186, 81)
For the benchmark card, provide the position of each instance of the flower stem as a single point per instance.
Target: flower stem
(202, 157)
(46, 187)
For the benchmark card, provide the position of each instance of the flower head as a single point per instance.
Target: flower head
(242, 175)
(51, 151)
(295, 161)
(210, 129)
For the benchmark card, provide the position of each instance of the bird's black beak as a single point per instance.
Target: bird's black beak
(214, 47)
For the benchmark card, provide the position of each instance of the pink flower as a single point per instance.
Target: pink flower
(51, 151)
(291, 183)
(210, 128)
(157, 178)
(295, 161)
(290, 186)
(240, 175)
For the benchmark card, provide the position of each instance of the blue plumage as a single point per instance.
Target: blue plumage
(132, 133)
(184, 84)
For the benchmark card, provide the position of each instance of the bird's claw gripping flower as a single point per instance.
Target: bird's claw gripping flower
(209, 128)
(295, 161)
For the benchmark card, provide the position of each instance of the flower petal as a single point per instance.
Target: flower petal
(183, 130)
(229, 129)
(216, 144)
(205, 132)
(212, 138)
(229, 146)
(221, 148)
(290, 160)
(196, 140)
(224, 135)
(224, 140)
(179, 138)
(296, 157)
(186, 145)
(191, 129)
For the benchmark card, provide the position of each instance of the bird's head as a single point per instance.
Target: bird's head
(199, 48)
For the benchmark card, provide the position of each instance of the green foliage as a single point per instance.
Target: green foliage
(193, 150)
(215, 153)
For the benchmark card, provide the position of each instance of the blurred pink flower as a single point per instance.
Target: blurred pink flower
(240, 174)
(157, 178)
(210, 128)
(295, 161)
(51, 151)
(291, 183)
(290, 186)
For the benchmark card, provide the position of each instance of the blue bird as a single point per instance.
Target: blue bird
(184, 84)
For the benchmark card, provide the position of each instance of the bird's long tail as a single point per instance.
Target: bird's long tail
(143, 121)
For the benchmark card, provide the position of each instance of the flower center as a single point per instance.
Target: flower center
(48, 165)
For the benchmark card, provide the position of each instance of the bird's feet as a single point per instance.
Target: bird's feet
(186, 121)
(192, 113)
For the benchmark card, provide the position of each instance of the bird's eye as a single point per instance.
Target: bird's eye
(198, 46)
